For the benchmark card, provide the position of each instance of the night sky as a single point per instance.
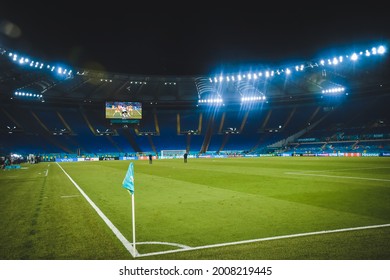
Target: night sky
(127, 40)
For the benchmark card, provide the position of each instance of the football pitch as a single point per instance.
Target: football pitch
(300, 208)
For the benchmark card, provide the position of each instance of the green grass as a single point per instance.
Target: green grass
(200, 203)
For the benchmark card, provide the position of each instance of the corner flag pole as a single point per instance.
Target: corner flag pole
(128, 183)
(133, 219)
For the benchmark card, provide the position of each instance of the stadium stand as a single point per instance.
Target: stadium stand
(60, 116)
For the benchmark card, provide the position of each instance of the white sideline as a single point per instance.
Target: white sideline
(117, 233)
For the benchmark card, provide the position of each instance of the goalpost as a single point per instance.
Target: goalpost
(172, 153)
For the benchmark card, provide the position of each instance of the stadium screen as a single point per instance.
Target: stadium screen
(123, 110)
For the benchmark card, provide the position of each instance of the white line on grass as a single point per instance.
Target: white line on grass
(335, 176)
(117, 233)
(47, 170)
(262, 239)
(346, 169)
(163, 243)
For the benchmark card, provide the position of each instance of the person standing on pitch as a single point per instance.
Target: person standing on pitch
(150, 159)
(185, 157)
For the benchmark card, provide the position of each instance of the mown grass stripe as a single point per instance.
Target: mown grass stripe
(117, 233)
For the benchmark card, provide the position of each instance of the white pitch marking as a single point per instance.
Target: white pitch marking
(346, 169)
(117, 233)
(263, 239)
(335, 176)
(164, 243)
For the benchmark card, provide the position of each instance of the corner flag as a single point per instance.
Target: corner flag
(128, 181)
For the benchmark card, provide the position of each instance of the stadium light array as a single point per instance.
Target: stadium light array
(11, 129)
(36, 64)
(105, 132)
(335, 90)
(287, 70)
(211, 101)
(252, 98)
(61, 131)
(27, 94)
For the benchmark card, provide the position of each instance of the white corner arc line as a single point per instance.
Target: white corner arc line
(164, 243)
(117, 233)
(263, 239)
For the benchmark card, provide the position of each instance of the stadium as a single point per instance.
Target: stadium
(284, 162)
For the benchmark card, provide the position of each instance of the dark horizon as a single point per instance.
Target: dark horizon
(183, 44)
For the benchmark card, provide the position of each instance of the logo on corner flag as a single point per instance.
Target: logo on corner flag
(128, 181)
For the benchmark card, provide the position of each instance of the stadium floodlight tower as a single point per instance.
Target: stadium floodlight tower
(208, 94)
